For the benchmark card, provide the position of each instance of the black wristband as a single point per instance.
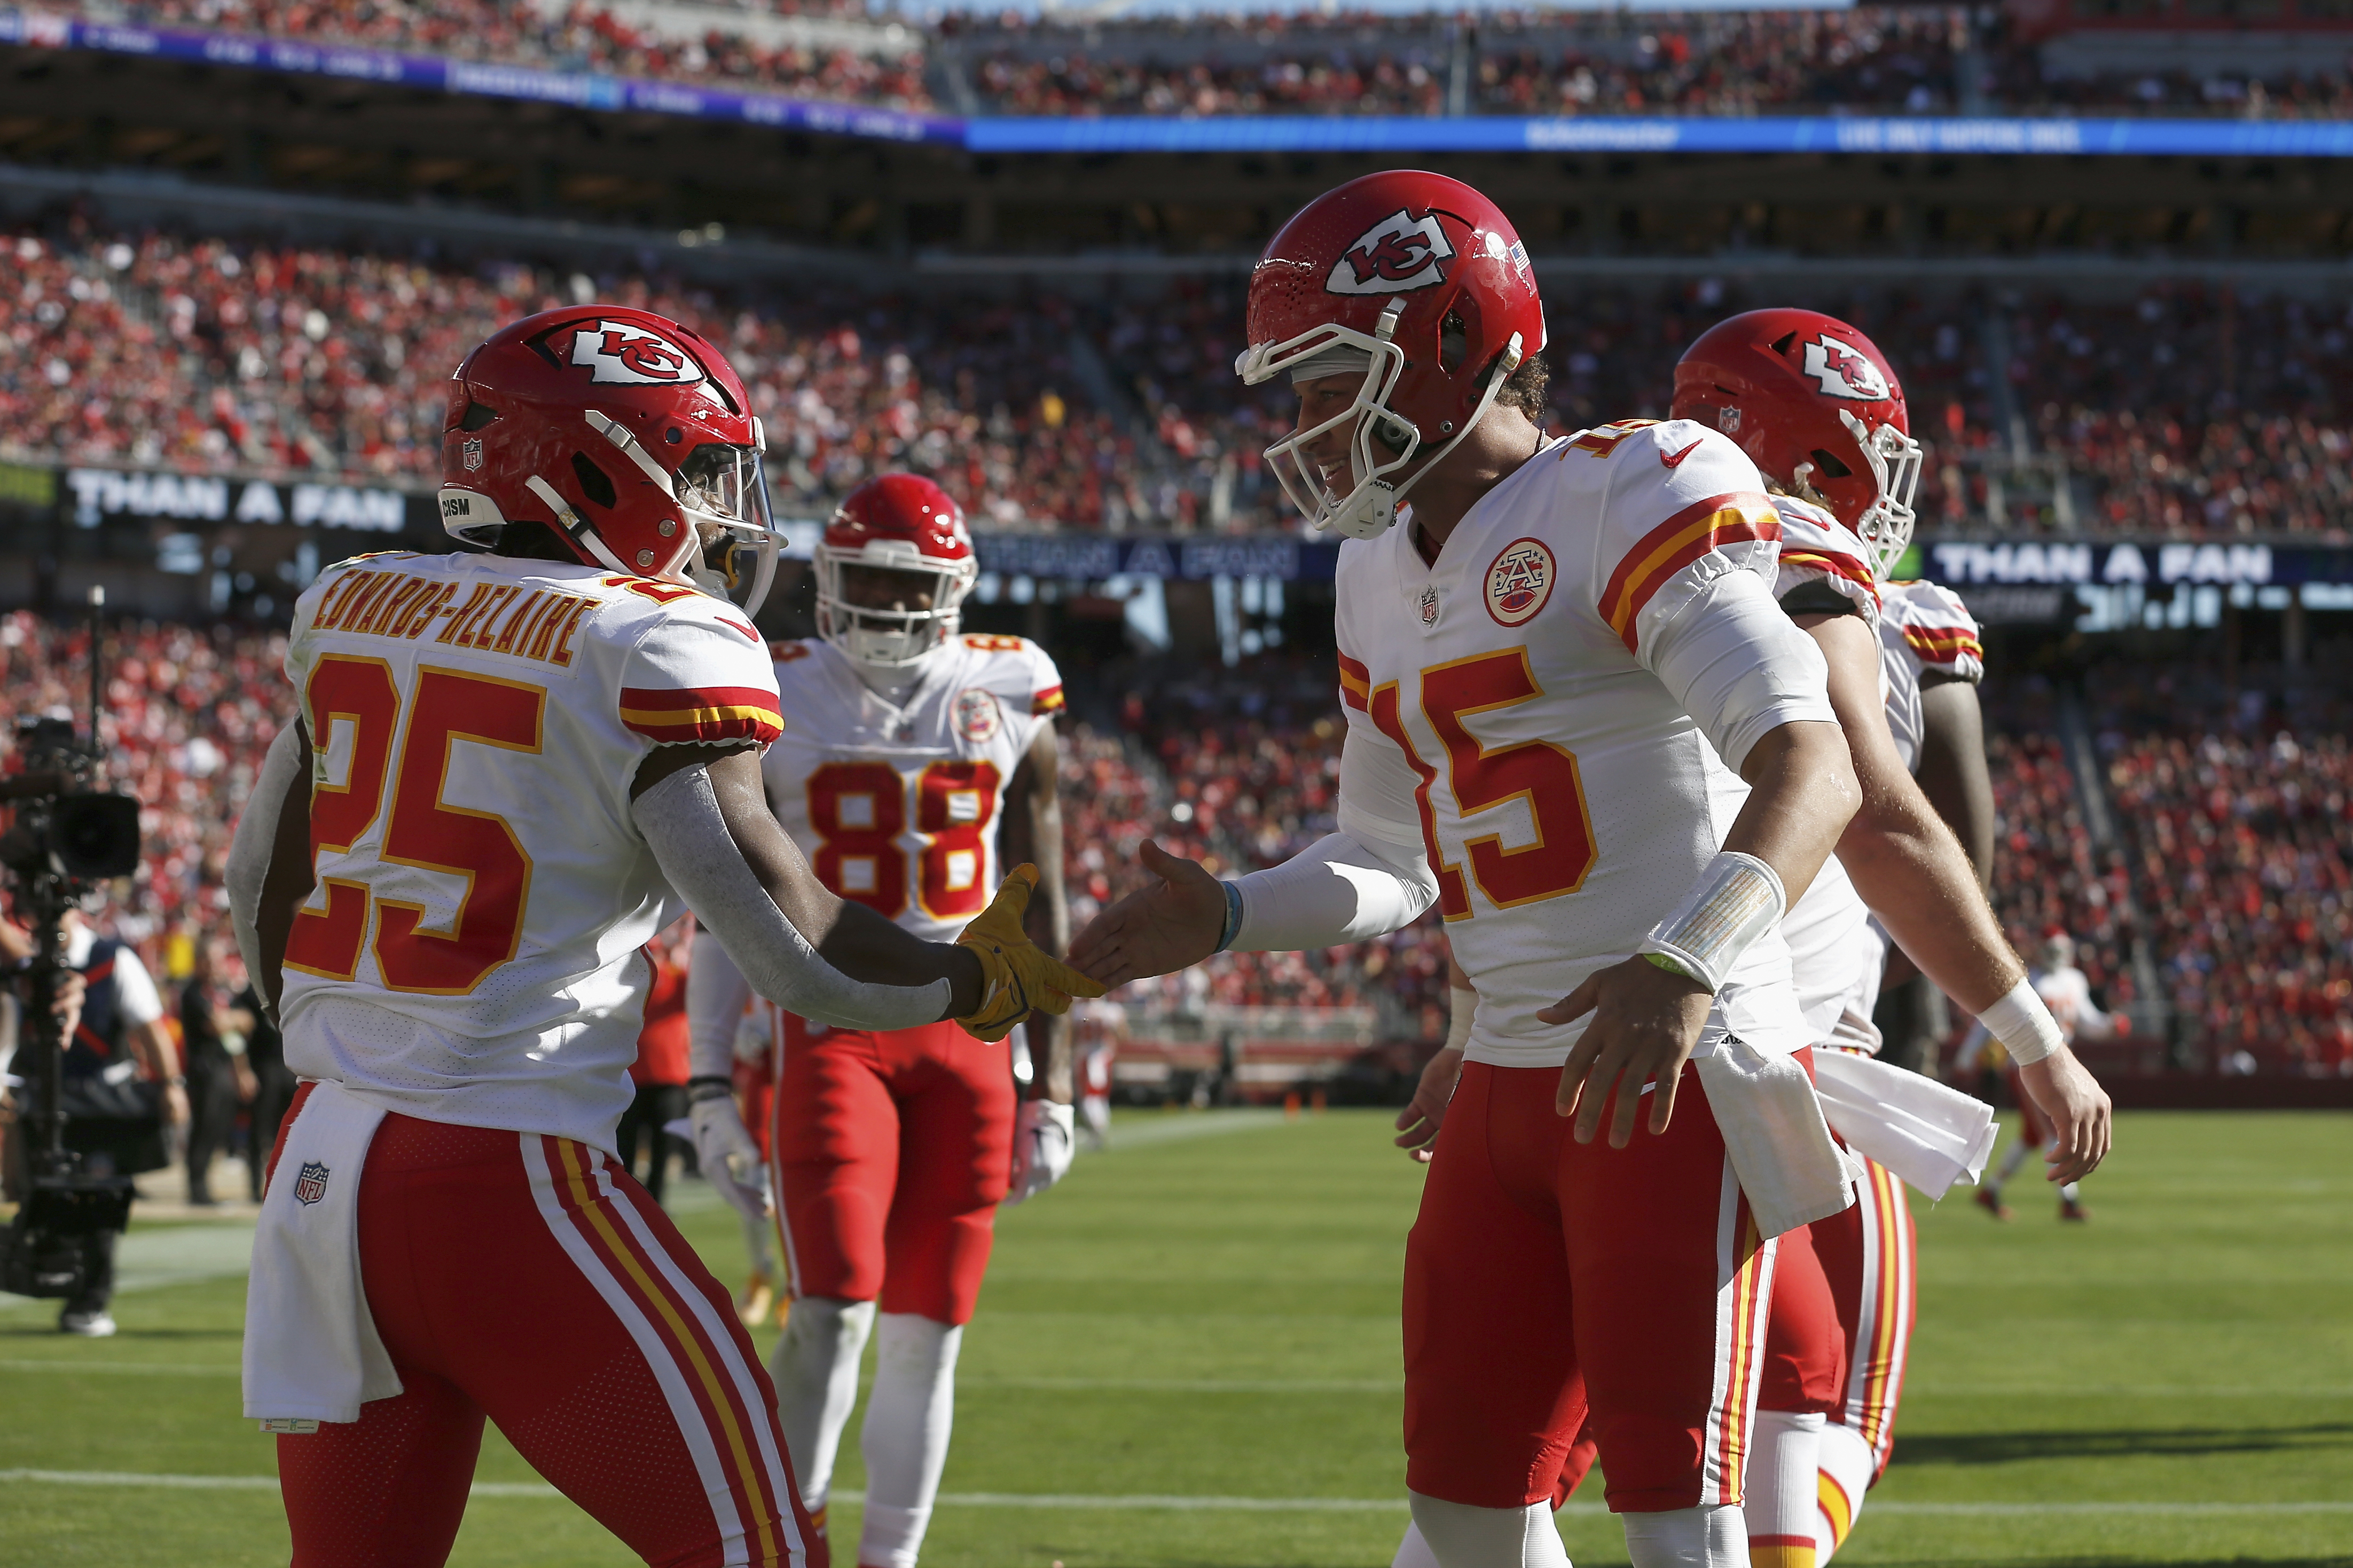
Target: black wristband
(708, 1086)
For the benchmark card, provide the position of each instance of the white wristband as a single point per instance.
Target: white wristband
(2023, 1024)
(1737, 900)
(1464, 1003)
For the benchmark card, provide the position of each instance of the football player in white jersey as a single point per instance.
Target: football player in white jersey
(1815, 402)
(510, 770)
(908, 751)
(1550, 676)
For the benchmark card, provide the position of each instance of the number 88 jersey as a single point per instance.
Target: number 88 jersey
(897, 807)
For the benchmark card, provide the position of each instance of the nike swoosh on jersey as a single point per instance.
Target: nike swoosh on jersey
(1672, 459)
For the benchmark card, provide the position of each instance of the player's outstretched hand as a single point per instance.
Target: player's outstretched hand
(1419, 1122)
(1172, 925)
(1645, 1022)
(725, 1153)
(2077, 1108)
(1018, 976)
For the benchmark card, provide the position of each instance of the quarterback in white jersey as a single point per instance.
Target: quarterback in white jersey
(909, 749)
(1814, 403)
(1557, 675)
(510, 770)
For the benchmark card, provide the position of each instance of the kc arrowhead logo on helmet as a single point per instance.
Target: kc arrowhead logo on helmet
(1399, 253)
(1843, 372)
(621, 353)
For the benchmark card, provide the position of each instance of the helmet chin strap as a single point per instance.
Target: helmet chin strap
(1376, 512)
(574, 528)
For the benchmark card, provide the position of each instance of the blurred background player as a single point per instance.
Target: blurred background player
(659, 1074)
(1817, 405)
(2068, 995)
(1095, 1028)
(573, 723)
(910, 753)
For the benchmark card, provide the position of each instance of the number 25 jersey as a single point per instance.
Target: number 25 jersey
(1543, 711)
(897, 808)
(471, 953)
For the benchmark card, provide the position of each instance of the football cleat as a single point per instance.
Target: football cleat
(755, 1301)
(1990, 1200)
(2073, 1209)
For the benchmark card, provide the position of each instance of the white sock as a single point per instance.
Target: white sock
(1714, 1537)
(1846, 1464)
(1414, 1551)
(2070, 1193)
(1096, 1109)
(909, 1412)
(815, 1366)
(1457, 1535)
(759, 1240)
(2011, 1159)
(1782, 1488)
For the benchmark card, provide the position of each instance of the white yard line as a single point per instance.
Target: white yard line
(1157, 1502)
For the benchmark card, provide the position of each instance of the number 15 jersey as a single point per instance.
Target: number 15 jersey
(1543, 711)
(897, 808)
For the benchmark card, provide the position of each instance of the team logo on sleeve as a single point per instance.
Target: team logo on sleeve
(1397, 254)
(310, 1184)
(1429, 605)
(616, 354)
(1841, 371)
(1519, 581)
(977, 716)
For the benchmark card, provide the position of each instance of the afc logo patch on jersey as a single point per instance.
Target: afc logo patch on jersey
(310, 1184)
(1396, 255)
(1429, 605)
(1520, 582)
(618, 355)
(1841, 371)
(977, 716)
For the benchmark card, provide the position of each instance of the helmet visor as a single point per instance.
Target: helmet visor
(723, 491)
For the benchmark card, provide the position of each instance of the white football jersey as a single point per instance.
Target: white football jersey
(471, 953)
(1836, 956)
(896, 807)
(1545, 709)
(1927, 630)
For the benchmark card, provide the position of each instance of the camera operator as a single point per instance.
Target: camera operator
(123, 1088)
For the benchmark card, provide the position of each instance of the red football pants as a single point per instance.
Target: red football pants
(529, 1278)
(1805, 1347)
(891, 1151)
(1546, 1280)
(1869, 1255)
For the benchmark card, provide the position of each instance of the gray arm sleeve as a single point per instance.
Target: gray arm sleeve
(1339, 888)
(716, 995)
(682, 823)
(257, 833)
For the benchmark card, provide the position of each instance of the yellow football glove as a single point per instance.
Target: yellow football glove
(1016, 974)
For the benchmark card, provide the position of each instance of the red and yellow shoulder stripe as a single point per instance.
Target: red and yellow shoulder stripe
(1943, 645)
(702, 713)
(1047, 702)
(1836, 563)
(1356, 684)
(1674, 544)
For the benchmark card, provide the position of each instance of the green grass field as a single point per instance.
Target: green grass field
(1208, 1314)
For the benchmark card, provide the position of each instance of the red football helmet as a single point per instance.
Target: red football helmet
(1812, 402)
(899, 523)
(627, 434)
(1419, 284)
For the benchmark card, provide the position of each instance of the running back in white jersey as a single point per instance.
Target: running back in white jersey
(470, 955)
(1543, 709)
(898, 808)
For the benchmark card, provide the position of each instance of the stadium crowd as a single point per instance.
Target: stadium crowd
(1872, 58)
(2234, 812)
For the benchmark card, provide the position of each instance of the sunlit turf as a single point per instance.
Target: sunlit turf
(1214, 1316)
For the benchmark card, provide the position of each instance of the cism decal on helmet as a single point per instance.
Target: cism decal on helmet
(1843, 372)
(1397, 254)
(618, 355)
(1519, 581)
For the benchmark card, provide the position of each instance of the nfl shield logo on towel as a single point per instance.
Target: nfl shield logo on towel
(310, 1184)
